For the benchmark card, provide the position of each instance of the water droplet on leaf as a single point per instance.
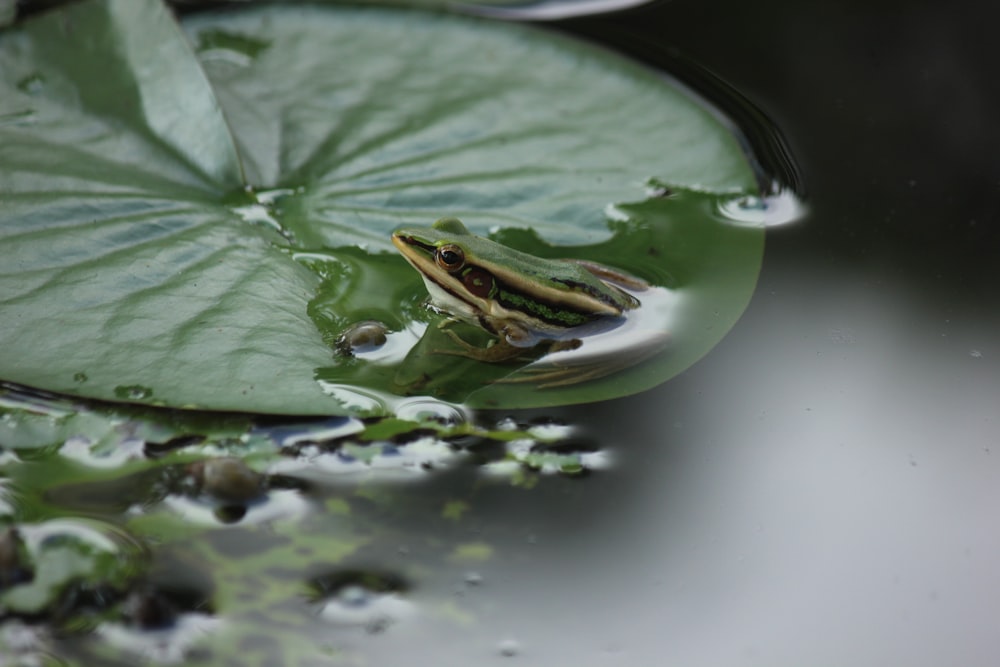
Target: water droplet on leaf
(133, 392)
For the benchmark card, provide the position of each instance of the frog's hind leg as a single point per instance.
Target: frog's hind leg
(613, 276)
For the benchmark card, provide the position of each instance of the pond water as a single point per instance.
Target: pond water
(821, 488)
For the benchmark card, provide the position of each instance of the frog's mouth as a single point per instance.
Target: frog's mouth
(410, 246)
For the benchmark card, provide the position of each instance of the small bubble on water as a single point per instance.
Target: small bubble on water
(509, 648)
(228, 479)
(473, 578)
(976, 354)
(507, 424)
(354, 596)
(551, 431)
(369, 600)
(843, 335)
(780, 208)
(31, 84)
(362, 337)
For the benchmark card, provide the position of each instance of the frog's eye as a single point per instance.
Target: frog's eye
(450, 257)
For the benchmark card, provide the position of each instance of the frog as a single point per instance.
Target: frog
(521, 299)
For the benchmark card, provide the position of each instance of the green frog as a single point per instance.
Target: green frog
(521, 299)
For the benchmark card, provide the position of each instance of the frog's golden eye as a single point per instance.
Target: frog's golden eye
(450, 257)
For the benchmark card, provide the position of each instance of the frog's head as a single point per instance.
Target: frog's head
(443, 247)
(446, 255)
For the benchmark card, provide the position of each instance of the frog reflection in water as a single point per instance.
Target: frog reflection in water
(522, 299)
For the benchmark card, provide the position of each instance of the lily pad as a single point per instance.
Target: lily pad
(192, 214)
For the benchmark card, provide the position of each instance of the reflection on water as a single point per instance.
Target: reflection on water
(546, 10)
(803, 485)
(171, 644)
(366, 599)
(203, 540)
(856, 473)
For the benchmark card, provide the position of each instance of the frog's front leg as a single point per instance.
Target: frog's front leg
(512, 341)
(499, 350)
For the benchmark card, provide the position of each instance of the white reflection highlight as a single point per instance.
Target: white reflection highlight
(774, 210)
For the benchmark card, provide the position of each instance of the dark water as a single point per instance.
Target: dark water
(822, 488)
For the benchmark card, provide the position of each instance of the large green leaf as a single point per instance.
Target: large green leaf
(386, 118)
(182, 214)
